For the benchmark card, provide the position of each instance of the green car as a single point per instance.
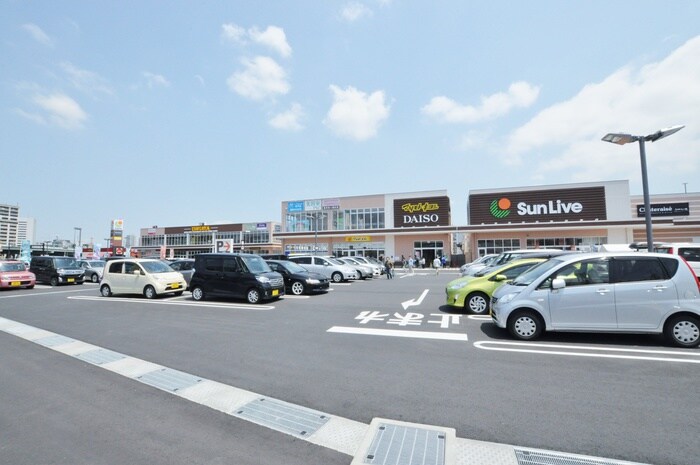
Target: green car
(474, 292)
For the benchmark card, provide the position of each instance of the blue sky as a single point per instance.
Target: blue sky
(175, 113)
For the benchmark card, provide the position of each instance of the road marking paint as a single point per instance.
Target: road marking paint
(399, 333)
(292, 296)
(29, 294)
(173, 302)
(511, 347)
(480, 317)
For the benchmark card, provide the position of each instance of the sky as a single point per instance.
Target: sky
(178, 113)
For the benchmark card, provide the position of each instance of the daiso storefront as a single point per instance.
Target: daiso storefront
(567, 216)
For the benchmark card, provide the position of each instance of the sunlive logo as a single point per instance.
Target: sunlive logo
(501, 208)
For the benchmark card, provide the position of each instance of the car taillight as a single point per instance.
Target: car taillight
(692, 272)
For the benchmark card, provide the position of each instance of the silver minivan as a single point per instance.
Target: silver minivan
(333, 269)
(603, 292)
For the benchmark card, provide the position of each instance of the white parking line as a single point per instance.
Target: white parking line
(27, 294)
(571, 351)
(174, 302)
(399, 333)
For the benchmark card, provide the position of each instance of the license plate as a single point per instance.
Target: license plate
(15, 283)
(175, 285)
(70, 280)
(275, 292)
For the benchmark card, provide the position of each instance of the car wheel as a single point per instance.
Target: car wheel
(478, 303)
(54, 281)
(683, 331)
(94, 278)
(105, 291)
(253, 296)
(149, 292)
(198, 293)
(337, 277)
(297, 288)
(525, 325)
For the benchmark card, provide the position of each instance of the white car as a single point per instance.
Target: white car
(377, 268)
(364, 271)
(603, 292)
(150, 278)
(469, 269)
(689, 251)
(327, 266)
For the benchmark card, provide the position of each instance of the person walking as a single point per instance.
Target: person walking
(388, 268)
(437, 264)
(410, 265)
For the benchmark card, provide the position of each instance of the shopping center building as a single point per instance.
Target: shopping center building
(579, 216)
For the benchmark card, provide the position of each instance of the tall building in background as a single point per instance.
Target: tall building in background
(26, 230)
(9, 215)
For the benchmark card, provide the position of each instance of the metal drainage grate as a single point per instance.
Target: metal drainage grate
(532, 457)
(404, 445)
(100, 356)
(281, 416)
(53, 341)
(169, 379)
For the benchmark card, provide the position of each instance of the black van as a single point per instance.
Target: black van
(242, 275)
(57, 270)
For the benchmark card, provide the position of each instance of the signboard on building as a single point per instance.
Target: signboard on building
(425, 211)
(666, 209)
(585, 203)
(118, 225)
(295, 207)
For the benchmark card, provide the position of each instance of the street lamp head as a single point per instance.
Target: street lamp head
(660, 134)
(619, 138)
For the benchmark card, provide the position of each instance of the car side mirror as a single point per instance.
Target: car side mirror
(500, 277)
(558, 283)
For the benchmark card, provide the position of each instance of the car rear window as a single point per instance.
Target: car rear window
(671, 265)
(627, 269)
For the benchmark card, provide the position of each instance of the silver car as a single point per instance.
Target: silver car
(327, 266)
(364, 271)
(377, 267)
(627, 292)
(93, 269)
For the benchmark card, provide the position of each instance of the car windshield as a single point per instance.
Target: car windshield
(535, 272)
(256, 264)
(294, 268)
(97, 264)
(12, 267)
(65, 262)
(335, 261)
(156, 266)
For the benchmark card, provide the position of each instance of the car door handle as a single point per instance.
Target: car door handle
(603, 291)
(660, 288)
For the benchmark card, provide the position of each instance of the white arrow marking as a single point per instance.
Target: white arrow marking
(412, 302)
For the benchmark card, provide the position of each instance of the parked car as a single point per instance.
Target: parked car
(56, 270)
(186, 267)
(470, 269)
(377, 268)
(473, 293)
(150, 278)
(603, 292)
(297, 279)
(235, 275)
(507, 257)
(93, 269)
(327, 266)
(363, 271)
(14, 274)
(689, 251)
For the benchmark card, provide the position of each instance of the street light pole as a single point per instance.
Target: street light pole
(622, 139)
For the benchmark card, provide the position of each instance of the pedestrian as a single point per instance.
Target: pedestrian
(388, 268)
(410, 265)
(422, 262)
(437, 264)
(443, 260)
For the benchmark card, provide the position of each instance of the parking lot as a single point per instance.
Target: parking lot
(366, 349)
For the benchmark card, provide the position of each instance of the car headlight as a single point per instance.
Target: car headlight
(457, 286)
(507, 298)
(263, 279)
(312, 281)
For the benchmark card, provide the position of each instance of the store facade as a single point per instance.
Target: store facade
(393, 225)
(188, 241)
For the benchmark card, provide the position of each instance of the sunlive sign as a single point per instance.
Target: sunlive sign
(537, 206)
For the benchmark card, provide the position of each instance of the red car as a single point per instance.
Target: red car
(13, 273)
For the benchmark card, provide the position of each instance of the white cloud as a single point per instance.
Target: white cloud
(355, 114)
(233, 33)
(519, 95)
(272, 37)
(86, 81)
(154, 80)
(289, 120)
(637, 100)
(262, 78)
(38, 34)
(354, 10)
(58, 109)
